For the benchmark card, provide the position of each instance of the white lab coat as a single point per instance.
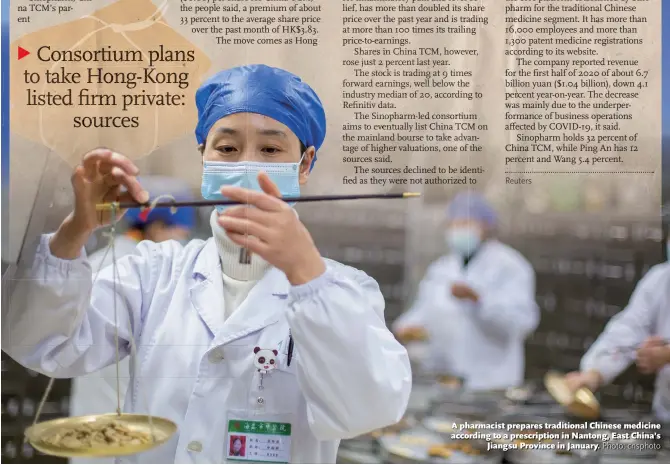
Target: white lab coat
(481, 342)
(647, 314)
(348, 375)
(95, 393)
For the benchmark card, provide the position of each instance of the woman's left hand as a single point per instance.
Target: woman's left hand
(653, 355)
(463, 291)
(272, 230)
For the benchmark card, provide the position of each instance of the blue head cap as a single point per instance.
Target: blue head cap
(472, 206)
(158, 186)
(264, 90)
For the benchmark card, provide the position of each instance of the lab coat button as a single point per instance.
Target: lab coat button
(260, 401)
(215, 356)
(195, 446)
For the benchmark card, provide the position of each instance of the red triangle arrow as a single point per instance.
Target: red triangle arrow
(23, 53)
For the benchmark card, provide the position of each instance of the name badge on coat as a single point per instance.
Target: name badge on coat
(261, 434)
(258, 439)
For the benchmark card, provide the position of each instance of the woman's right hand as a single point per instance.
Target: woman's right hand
(98, 179)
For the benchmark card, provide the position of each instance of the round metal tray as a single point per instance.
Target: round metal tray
(413, 446)
(160, 429)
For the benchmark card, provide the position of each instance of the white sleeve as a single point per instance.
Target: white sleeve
(61, 324)
(628, 328)
(510, 307)
(419, 314)
(354, 374)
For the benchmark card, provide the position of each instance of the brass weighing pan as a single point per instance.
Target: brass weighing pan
(582, 404)
(158, 430)
(107, 435)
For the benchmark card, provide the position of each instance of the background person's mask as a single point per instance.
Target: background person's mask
(217, 174)
(463, 240)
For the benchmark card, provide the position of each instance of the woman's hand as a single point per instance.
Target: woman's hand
(272, 230)
(98, 179)
(463, 291)
(653, 355)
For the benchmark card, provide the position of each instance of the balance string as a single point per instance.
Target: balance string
(133, 347)
(157, 200)
(112, 243)
(43, 400)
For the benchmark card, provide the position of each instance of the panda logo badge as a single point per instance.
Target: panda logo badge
(265, 360)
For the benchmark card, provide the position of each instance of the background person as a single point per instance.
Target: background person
(641, 329)
(477, 303)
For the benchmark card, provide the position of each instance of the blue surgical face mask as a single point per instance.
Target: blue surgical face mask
(217, 174)
(463, 240)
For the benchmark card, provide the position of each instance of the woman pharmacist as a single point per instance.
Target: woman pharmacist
(283, 337)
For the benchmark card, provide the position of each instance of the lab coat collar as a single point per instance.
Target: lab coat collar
(262, 307)
(475, 258)
(207, 262)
